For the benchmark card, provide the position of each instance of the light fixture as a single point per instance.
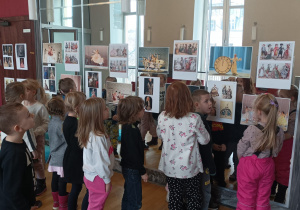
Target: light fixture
(32, 10)
(101, 34)
(50, 11)
(125, 5)
(182, 32)
(141, 7)
(253, 35)
(149, 34)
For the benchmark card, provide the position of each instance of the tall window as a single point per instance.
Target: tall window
(227, 21)
(68, 13)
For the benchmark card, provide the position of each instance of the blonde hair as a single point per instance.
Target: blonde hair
(268, 104)
(32, 84)
(91, 120)
(56, 106)
(128, 109)
(73, 100)
(14, 92)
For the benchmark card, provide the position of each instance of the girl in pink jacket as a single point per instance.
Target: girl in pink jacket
(256, 168)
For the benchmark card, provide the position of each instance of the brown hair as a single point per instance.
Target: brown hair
(293, 92)
(110, 79)
(91, 120)
(9, 116)
(14, 92)
(196, 95)
(56, 106)
(268, 104)
(73, 100)
(128, 109)
(65, 85)
(32, 84)
(248, 86)
(179, 101)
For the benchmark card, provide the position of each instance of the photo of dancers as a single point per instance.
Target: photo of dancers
(188, 64)
(119, 51)
(274, 71)
(118, 66)
(276, 50)
(186, 48)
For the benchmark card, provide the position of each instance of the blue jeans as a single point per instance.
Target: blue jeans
(132, 198)
(205, 188)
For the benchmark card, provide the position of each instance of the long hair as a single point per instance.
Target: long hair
(268, 104)
(32, 84)
(73, 101)
(91, 120)
(56, 106)
(179, 101)
(128, 109)
(14, 92)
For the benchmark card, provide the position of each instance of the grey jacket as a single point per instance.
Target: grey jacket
(57, 142)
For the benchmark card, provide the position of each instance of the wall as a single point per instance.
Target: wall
(277, 20)
(166, 18)
(11, 8)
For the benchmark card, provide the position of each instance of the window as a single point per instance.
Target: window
(227, 20)
(68, 13)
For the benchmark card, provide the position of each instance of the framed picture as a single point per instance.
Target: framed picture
(93, 84)
(154, 59)
(96, 56)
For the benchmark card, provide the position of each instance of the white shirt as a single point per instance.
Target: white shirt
(180, 156)
(98, 158)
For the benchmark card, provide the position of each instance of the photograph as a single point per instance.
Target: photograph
(52, 53)
(226, 92)
(7, 63)
(71, 58)
(230, 61)
(185, 48)
(186, 64)
(51, 72)
(277, 51)
(71, 46)
(8, 80)
(274, 71)
(20, 51)
(7, 51)
(96, 56)
(22, 63)
(154, 59)
(148, 86)
(46, 84)
(75, 78)
(93, 79)
(118, 50)
(118, 66)
(46, 72)
(52, 85)
(93, 84)
(92, 92)
(214, 91)
(116, 91)
(148, 103)
(226, 109)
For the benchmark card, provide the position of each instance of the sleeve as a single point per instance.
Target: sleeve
(61, 138)
(244, 143)
(30, 140)
(100, 153)
(202, 135)
(12, 180)
(158, 129)
(44, 116)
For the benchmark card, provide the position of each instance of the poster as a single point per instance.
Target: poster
(49, 79)
(230, 61)
(154, 59)
(20, 80)
(248, 117)
(52, 53)
(8, 80)
(149, 91)
(118, 60)
(71, 56)
(275, 64)
(93, 84)
(7, 52)
(96, 56)
(75, 78)
(21, 56)
(224, 95)
(185, 59)
(116, 91)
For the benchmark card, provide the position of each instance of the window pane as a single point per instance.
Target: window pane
(68, 22)
(133, 6)
(237, 3)
(216, 27)
(68, 12)
(130, 38)
(217, 3)
(236, 21)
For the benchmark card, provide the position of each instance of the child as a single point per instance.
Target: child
(180, 131)
(66, 85)
(58, 145)
(130, 111)
(41, 119)
(282, 161)
(202, 106)
(261, 142)
(98, 158)
(16, 174)
(73, 161)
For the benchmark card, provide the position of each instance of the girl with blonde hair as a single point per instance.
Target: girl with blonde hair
(260, 143)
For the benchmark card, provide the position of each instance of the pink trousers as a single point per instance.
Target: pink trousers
(97, 194)
(255, 178)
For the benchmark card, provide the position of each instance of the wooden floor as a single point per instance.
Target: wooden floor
(154, 196)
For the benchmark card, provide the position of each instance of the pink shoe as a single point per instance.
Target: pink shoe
(55, 200)
(63, 202)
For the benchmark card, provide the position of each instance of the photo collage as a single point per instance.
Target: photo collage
(118, 60)
(71, 55)
(21, 56)
(7, 51)
(93, 84)
(149, 92)
(49, 79)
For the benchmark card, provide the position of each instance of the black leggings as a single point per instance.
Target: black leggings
(58, 184)
(73, 196)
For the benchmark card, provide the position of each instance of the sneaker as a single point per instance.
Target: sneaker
(232, 177)
(152, 142)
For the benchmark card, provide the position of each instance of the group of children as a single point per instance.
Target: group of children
(81, 152)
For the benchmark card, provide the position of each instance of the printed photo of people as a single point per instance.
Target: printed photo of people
(274, 71)
(20, 51)
(7, 49)
(46, 84)
(276, 50)
(185, 48)
(93, 80)
(118, 51)
(118, 65)
(148, 86)
(22, 63)
(52, 85)
(71, 58)
(46, 72)
(71, 46)
(148, 103)
(92, 92)
(7, 62)
(52, 73)
(188, 64)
